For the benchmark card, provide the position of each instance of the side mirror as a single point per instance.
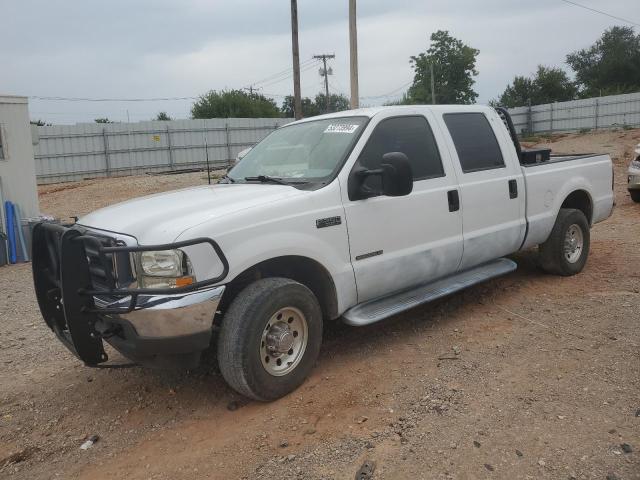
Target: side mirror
(396, 178)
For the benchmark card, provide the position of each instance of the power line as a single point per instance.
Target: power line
(337, 90)
(87, 99)
(273, 79)
(338, 87)
(395, 91)
(287, 72)
(601, 12)
(154, 99)
(270, 80)
(286, 77)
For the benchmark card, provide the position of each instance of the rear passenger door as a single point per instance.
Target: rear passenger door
(401, 242)
(491, 186)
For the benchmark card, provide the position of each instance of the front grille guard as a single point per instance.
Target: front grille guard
(133, 293)
(65, 291)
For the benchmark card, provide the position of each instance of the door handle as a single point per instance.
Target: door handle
(454, 200)
(513, 188)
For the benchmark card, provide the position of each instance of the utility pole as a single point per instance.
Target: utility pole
(353, 50)
(251, 89)
(297, 99)
(325, 73)
(433, 85)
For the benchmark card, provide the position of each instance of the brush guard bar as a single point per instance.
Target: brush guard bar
(65, 287)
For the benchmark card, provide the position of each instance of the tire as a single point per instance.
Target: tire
(251, 326)
(556, 256)
(635, 195)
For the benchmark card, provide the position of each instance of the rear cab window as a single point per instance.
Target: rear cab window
(410, 135)
(475, 141)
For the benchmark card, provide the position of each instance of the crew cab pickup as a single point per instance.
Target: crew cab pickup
(355, 215)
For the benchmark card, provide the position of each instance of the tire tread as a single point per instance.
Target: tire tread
(232, 356)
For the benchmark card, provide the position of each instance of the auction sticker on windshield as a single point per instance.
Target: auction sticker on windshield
(341, 128)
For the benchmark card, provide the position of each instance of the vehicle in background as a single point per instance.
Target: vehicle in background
(633, 177)
(356, 215)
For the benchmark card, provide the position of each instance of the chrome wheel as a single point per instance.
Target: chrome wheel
(284, 341)
(573, 243)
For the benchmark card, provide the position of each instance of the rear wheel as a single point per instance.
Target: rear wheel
(566, 250)
(270, 338)
(635, 195)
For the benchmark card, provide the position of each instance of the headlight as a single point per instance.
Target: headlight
(164, 269)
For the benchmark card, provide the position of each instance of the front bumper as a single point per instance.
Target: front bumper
(162, 325)
(78, 292)
(633, 177)
(633, 182)
(162, 316)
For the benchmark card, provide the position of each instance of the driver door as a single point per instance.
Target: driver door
(401, 242)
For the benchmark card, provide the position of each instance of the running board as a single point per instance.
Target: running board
(381, 308)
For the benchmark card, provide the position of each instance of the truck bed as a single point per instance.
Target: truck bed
(550, 182)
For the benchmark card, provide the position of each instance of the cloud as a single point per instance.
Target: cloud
(163, 48)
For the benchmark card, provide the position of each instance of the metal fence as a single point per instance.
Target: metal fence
(75, 152)
(588, 114)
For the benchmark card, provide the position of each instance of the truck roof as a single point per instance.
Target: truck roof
(401, 109)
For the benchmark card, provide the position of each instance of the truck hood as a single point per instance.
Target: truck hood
(162, 217)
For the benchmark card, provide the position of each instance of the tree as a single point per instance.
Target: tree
(337, 102)
(609, 66)
(518, 93)
(39, 123)
(102, 120)
(311, 108)
(163, 117)
(549, 84)
(552, 84)
(404, 100)
(454, 66)
(233, 104)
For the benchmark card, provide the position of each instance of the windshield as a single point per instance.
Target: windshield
(304, 152)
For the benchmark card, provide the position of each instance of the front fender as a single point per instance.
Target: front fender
(290, 228)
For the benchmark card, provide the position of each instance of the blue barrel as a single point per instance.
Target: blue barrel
(8, 208)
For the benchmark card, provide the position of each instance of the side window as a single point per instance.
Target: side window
(475, 141)
(409, 135)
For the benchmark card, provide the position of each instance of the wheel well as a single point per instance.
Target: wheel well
(301, 269)
(580, 200)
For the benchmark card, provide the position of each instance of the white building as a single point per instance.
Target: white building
(17, 164)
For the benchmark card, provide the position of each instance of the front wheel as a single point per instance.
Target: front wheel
(635, 195)
(566, 250)
(270, 338)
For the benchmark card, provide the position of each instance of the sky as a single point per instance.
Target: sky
(145, 49)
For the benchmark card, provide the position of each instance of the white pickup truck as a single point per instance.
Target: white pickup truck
(355, 215)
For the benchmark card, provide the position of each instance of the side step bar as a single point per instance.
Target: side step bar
(381, 308)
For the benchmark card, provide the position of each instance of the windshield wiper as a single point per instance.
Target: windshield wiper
(268, 179)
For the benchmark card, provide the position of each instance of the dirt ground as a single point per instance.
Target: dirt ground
(528, 376)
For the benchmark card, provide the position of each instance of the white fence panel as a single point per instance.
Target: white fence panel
(75, 152)
(585, 114)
